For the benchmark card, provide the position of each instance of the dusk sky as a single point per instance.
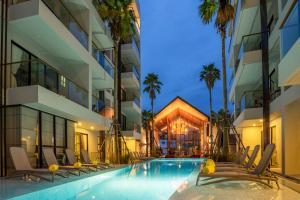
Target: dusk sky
(175, 45)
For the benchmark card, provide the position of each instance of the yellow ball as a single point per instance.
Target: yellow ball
(77, 165)
(95, 162)
(53, 168)
(209, 169)
(210, 162)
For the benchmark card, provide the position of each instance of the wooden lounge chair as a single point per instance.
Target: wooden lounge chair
(259, 174)
(22, 166)
(72, 160)
(51, 160)
(88, 162)
(245, 166)
(240, 160)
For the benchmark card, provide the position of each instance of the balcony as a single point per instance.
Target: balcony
(132, 130)
(50, 26)
(131, 53)
(247, 65)
(245, 14)
(100, 29)
(37, 72)
(100, 107)
(103, 60)
(130, 77)
(248, 108)
(289, 67)
(131, 108)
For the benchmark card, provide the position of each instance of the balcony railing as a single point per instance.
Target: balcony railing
(131, 126)
(250, 99)
(249, 43)
(104, 25)
(103, 60)
(290, 31)
(37, 72)
(135, 99)
(100, 107)
(70, 22)
(131, 68)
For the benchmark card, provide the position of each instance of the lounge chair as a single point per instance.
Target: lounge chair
(240, 160)
(259, 174)
(51, 159)
(72, 160)
(88, 162)
(22, 165)
(245, 166)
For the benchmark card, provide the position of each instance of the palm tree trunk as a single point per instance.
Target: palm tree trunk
(117, 100)
(147, 141)
(265, 73)
(225, 131)
(152, 130)
(210, 121)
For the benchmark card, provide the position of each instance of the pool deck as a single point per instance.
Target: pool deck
(238, 190)
(15, 186)
(232, 190)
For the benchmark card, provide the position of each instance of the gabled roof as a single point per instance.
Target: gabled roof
(179, 103)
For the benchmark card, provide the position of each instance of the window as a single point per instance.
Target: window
(290, 31)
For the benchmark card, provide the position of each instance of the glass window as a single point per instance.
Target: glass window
(60, 131)
(29, 133)
(47, 130)
(20, 70)
(51, 77)
(290, 31)
(71, 135)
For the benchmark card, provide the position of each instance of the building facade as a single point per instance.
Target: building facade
(60, 78)
(181, 130)
(284, 65)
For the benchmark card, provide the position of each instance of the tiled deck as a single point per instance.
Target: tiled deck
(236, 190)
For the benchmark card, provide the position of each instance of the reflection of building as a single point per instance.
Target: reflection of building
(181, 129)
(60, 87)
(284, 79)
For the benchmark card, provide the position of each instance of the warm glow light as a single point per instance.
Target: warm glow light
(254, 125)
(261, 120)
(79, 124)
(92, 128)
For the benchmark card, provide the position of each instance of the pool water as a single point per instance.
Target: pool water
(153, 180)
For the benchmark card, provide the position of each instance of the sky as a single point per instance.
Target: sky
(175, 44)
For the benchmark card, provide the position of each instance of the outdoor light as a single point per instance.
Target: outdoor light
(254, 125)
(260, 120)
(92, 128)
(79, 124)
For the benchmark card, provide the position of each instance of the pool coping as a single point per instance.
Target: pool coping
(15, 187)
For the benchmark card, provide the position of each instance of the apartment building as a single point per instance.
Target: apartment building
(284, 65)
(60, 79)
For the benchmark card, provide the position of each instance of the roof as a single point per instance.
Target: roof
(181, 99)
(180, 107)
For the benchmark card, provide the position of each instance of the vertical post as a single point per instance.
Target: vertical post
(265, 73)
(40, 140)
(54, 134)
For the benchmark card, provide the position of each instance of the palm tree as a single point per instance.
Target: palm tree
(120, 21)
(152, 87)
(210, 74)
(223, 12)
(146, 121)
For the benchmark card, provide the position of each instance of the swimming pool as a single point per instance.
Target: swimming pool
(153, 180)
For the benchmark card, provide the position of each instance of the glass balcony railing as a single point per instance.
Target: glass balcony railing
(37, 72)
(100, 107)
(249, 43)
(103, 60)
(131, 126)
(104, 25)
(283, 3)
(290, 31)
(250, 99)
(70, 22)
(132, 68)
(135, 99)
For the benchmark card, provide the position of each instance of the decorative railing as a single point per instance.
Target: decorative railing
(37, 72)
(103, 60)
